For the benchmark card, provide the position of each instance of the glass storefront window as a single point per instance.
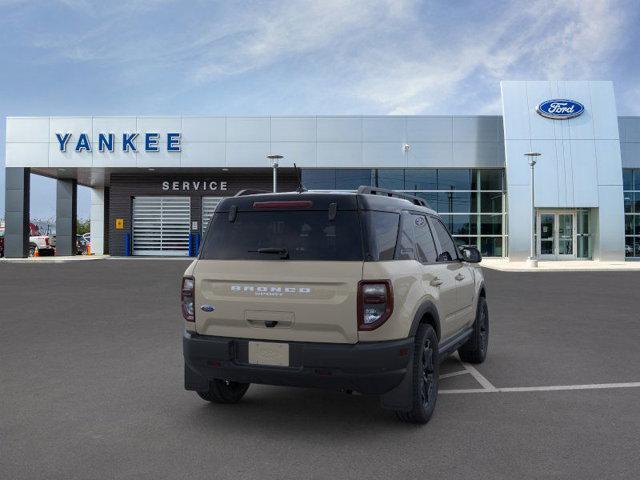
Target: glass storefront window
(491, 202)
(462, 241)
(629, 247)
(319, 179)
(352, 178)
(631, 181)
(430, 197)
(391, 178)
(421, 179)
(470, 201)
(491, 246)
(584, 235)
(629, 224)
(454, 179)
(457, 202)
(461, 224)
(627, 179)
(583, 247)
(336, 179)
(628, 202)
(490, 224)
(491, 179)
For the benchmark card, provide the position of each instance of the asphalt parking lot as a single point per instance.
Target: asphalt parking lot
(91, 387)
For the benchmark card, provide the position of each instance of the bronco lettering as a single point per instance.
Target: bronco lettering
(272, 290)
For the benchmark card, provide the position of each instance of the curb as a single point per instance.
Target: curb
(38, 260)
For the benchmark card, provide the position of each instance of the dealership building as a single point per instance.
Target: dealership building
(155, 181)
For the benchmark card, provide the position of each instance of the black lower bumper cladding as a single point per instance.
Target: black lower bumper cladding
(369, 368)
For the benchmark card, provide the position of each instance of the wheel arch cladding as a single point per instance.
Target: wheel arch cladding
(427, 313)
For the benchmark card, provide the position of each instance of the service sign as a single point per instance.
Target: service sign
(194, 186)
(560, 109)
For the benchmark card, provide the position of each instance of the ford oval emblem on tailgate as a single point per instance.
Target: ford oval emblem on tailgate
(207, 308)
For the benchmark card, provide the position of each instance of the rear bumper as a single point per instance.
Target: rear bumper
(370, 368)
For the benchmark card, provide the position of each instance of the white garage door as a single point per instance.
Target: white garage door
(209, 205)
(161, 225)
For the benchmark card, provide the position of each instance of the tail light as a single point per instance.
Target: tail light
(375, 303)
(46, 240)
(284, 204)
(187, 299)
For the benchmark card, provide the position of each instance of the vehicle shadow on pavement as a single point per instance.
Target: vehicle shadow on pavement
(291, 410)
(279, 408)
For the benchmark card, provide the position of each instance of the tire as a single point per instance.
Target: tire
(425, 377)
(475, 350)
(32, 249)
(223, 391)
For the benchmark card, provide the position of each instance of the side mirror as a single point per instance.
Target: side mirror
(459, 242)
(470, 254)
(444, 257)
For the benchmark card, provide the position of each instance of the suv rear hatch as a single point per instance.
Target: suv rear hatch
(281, 267)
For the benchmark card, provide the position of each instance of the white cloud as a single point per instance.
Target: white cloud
(544, 40)
(391, 56)
(293, 29)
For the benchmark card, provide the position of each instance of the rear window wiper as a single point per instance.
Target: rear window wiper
(283, 252)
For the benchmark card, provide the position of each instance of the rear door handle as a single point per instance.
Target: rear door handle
(459, 277)
(436, 282)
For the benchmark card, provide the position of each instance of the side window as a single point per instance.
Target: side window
(447, 251)
(384, 233)
(405, 249)
(425, 248)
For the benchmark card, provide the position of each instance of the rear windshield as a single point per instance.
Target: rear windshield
(294, 235)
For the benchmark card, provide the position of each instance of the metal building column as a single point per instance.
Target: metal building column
(17, 190)
(107, 221)
(97, 221)
(66, 214)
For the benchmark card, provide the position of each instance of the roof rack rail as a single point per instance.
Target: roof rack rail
(392, 193)
(249, 191)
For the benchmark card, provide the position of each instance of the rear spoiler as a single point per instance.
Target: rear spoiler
(248, 191)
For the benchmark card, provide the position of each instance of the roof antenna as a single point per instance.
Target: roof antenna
(300, 187)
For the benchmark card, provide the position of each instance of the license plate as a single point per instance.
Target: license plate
(269, 353)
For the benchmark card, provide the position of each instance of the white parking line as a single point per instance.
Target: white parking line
(486, 384)
(550, 388)
(454, 374)
(488, 387)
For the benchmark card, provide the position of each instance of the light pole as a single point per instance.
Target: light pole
(274, 163)
(532, 261)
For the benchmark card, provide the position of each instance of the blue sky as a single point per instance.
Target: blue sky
(79, 57)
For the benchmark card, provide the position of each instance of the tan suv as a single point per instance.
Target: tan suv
(363, 292)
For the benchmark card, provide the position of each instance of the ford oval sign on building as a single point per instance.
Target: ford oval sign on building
(560, 109)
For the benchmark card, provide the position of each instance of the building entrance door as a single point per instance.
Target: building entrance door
(556, 239)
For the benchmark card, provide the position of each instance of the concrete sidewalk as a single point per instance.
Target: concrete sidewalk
(504, 265)
(500, 264)
(54, 259)
(80, 258)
